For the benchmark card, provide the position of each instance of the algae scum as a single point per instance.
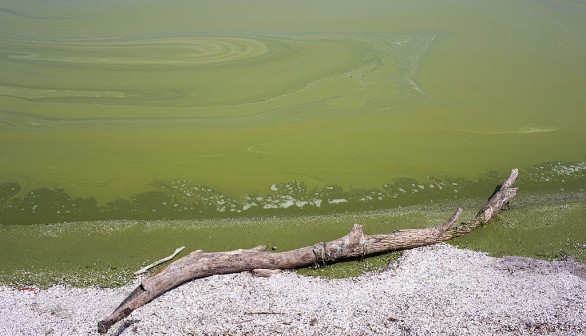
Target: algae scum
(224, 111)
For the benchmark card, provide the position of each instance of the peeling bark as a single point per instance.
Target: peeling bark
(199, 264)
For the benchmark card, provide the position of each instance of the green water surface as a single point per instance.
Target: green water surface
(106, 253)
(127, 111)
(241, 95)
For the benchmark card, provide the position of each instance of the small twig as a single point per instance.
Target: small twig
(264, 313)
(442, 228)
(146, 268)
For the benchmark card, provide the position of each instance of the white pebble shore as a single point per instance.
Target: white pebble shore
(434, 290)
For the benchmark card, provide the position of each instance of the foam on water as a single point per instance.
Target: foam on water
(185, 199)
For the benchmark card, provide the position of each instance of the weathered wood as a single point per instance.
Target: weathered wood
(158, 262)
(199, 264)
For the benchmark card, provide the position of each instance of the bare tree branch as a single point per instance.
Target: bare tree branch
(199, 264)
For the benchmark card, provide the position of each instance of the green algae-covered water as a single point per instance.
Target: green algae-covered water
(139, 110)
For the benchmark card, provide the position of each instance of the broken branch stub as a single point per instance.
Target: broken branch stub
(199, 264)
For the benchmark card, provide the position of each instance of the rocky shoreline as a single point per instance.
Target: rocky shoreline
(433, 290)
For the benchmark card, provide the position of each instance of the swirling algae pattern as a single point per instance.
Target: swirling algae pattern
(168, 51)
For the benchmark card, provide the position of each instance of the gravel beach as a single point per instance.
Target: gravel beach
(433, 290)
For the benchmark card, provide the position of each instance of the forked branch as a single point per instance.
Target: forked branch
(199, 264)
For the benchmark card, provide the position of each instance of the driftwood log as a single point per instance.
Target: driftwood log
(199, 264)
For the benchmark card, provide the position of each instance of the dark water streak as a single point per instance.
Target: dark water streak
(186, 200)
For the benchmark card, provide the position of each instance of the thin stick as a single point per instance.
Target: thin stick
(264, 313)
(146, 268)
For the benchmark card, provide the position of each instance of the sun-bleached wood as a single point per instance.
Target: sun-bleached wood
(158, 262)
(199, 264)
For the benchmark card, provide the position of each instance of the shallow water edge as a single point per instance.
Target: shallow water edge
(106, 253)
